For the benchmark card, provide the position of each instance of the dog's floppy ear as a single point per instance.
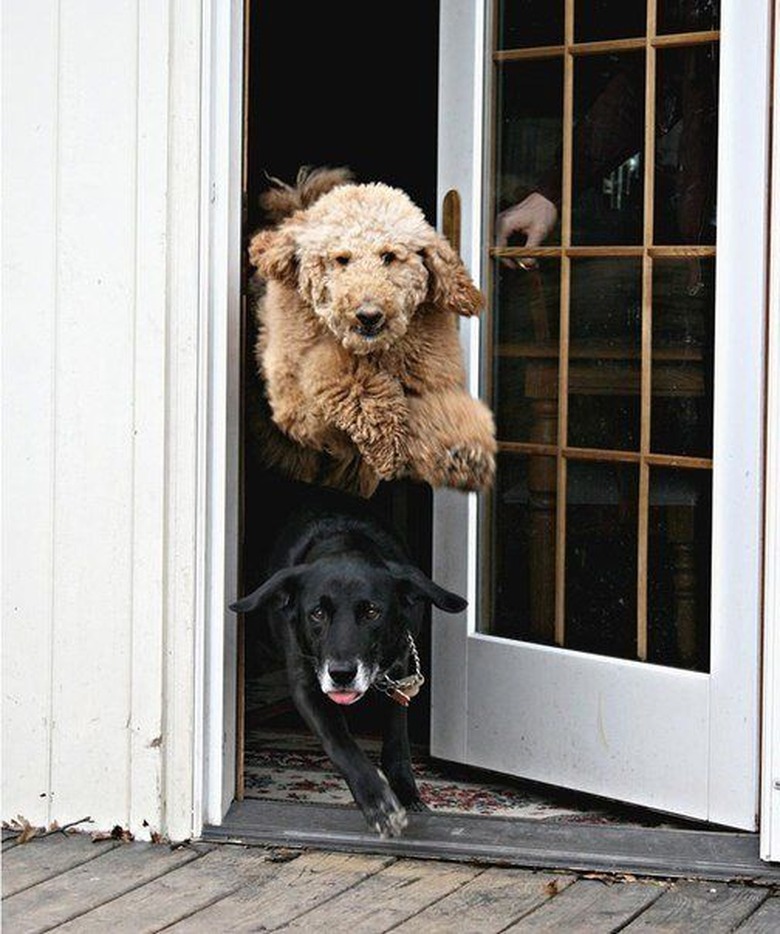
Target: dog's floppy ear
(450, 287)
(414, 586)
(273, 254)
(279, 583)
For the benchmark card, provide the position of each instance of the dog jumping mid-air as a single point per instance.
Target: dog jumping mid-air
(358, 346)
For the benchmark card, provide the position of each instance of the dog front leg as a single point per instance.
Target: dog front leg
(451, 440)
(370, 408)
(397, 758)
(370, 789)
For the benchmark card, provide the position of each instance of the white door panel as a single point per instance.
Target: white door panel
(676, 740)
(610, 727)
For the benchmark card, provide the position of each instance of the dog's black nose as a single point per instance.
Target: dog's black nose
(342, 673)
(370, 318)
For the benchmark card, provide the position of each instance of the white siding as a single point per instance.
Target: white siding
(101, 394)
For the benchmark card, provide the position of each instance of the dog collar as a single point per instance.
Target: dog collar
(402, 690)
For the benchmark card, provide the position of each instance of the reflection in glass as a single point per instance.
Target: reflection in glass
(683, 333)
(607, 181)
(523, 565)
(680, 538)
(525, 389)
(688, 15)
(686, 145)
(601, 555)
(528, 125)
(609, 19)
(605, 324)
(524, 23)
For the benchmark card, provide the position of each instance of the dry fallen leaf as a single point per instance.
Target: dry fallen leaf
(116, 833)
(551, 887)
(23, 829)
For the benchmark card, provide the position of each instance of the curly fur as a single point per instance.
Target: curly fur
(358, 343)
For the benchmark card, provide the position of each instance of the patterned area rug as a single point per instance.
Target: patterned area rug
(288, 766)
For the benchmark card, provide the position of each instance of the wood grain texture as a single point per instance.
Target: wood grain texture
(699, 908)
(42, 858)
(489, 903)
(78, 890)
(590, 906)
(388, 898)
(285, 892)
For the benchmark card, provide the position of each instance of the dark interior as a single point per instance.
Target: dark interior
(365, 97)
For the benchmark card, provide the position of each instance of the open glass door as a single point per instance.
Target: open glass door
(611, 644)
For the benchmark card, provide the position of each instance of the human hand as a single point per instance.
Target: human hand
(535, 216)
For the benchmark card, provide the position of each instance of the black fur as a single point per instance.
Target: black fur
(340, 596)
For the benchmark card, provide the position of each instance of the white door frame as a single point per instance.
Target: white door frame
(219, 357)
(770, 753)
(737, 519)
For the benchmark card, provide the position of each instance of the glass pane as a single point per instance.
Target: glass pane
(607, 181)
(609, 19)
(686, 145)
(528, 123)
(524, 23)
(688, 15)
(683, 336)
(680, 539)
(601, 555)
(522, 584)
(605, 323)
(525, 389)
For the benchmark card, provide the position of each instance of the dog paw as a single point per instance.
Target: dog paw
(387, 818)
(382, 810)
(469, 468)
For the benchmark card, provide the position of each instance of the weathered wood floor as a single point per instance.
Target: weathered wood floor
(68, 883)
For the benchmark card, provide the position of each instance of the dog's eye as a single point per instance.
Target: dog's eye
(370, 611)
(318, 614)
(388, 257)
(342, 259)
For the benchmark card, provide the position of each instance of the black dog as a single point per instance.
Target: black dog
(344, 603)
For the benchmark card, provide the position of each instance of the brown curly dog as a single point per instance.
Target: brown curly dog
(358, 341)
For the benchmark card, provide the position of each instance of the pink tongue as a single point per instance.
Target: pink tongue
(344, 697)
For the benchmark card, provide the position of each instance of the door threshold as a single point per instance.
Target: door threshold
(665, 852)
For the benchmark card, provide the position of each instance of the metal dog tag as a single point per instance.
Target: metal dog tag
(409, 686)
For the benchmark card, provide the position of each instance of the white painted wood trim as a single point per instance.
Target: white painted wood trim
(148, 538)
(29, 270)
(184, 617)
(221, 265)
(454, 553)
(740, 291)
(770, 754)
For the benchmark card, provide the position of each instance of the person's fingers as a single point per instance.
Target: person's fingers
(535, 234)
(508, 223)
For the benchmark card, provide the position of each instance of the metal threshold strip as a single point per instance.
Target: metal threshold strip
(670, 853)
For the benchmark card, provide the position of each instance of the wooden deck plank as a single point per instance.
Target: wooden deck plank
(387, 898)
(699, 908)
(766, 920)
(248, 892)
(43, 858)
(489, 903)
(169, 897)
(77, 890)
(591, 907)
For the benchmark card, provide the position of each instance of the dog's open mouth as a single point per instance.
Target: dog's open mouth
(345, 697)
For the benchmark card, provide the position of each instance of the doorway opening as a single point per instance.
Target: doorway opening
(366, 99)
